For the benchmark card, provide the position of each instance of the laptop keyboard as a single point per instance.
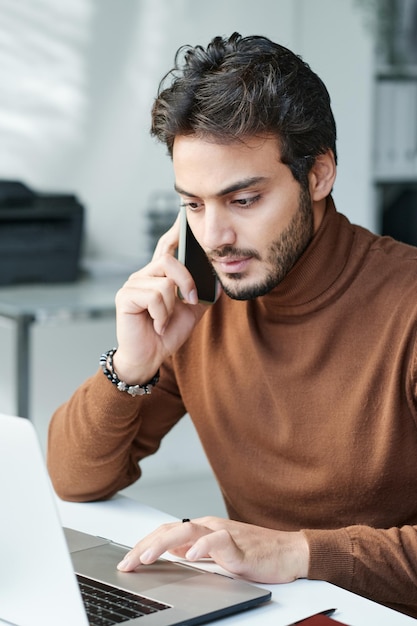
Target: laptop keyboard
(106, 605)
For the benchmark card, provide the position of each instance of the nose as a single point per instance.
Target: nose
(217, 229)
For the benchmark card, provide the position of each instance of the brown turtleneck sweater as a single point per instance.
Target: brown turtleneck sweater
(305, 403)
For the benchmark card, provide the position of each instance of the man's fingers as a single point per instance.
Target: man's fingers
(169, 537)
(218, 545)
(154, 289)
(166, 266)
(153, 293)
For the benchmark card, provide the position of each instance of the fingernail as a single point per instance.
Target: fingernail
(193, 297)
(191, 554)
(124, 564)
(147, 556)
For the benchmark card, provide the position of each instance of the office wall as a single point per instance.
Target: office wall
(77, 81)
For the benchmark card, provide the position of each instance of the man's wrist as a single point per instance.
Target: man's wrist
(131, 373)
(135, 389)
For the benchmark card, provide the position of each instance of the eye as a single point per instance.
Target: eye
(246, 202)
(192, 206)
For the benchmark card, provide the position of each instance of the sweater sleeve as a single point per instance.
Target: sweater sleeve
(375, 563)
(98, 437)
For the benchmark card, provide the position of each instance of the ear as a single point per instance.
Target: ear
(322, 176)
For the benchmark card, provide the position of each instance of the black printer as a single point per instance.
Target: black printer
(40, 235)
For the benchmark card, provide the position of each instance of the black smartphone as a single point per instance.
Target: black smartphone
(192, 255)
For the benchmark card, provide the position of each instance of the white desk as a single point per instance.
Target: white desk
(126, 521)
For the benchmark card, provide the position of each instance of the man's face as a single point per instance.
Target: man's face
(245, 209)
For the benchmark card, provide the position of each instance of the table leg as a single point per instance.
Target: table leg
(23, 323)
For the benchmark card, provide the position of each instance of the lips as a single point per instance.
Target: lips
(232, 266)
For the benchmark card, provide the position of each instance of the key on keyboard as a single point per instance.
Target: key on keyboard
(106, 605)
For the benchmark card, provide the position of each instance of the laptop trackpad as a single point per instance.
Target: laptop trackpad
(100, 563)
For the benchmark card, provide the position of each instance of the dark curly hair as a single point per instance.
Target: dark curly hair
(246, 86)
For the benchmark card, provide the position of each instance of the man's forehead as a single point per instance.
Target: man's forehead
(223, 168)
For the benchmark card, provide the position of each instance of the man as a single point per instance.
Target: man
(300, 379)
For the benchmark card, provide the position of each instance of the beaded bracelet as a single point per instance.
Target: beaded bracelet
(106, 362)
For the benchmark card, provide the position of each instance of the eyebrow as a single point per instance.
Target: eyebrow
(237, 186)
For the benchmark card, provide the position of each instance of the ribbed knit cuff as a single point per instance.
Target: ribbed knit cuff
(109, 394)
(331, 556)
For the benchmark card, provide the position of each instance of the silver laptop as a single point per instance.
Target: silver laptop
(49, 576)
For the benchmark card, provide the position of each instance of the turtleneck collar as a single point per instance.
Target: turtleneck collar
(319, 273)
